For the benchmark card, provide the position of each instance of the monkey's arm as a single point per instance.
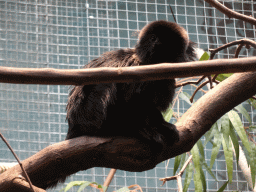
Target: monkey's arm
(156, 127)
(152, 97)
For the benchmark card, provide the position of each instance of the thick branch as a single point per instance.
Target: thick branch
(224, 97)
(85, 152)
(82, 153)
(124, 74)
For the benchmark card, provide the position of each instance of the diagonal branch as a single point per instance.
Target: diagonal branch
(230, 13)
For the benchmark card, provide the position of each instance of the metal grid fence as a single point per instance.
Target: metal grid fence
(69, 33)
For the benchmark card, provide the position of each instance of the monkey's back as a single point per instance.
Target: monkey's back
(116, 58)
(99, 109)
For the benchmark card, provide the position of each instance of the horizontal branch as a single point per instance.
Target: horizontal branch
(124, 74)
(56, 161)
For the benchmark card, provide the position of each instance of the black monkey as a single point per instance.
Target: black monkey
(132, 109)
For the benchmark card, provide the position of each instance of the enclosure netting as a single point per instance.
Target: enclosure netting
(66, 34)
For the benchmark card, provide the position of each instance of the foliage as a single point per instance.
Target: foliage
(82, 184)
(124, 189)
(225, 134)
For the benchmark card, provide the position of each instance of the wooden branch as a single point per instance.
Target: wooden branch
(18, 160)
(124, 74)
(178, 176)
(18, 184)
(240, 42)
(109, 178)
(190, 82)
(129, 154)
(82, 153)
(197, 89)
(219, 100)
(238, 49)
(230, 13)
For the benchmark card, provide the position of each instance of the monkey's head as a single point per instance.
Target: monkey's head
(163, 41)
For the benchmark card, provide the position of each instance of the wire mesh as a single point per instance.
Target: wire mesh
(69, 33)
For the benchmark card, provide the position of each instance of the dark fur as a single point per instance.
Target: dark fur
(132, 109)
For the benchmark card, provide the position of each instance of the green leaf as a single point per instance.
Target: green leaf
(223, 76)
(186, 97)
(205, 56)
(124, 189)
(201, 148)
(219, 124)
(168, 115)
(225, 128)
(82, 185)
(223, 187)
(188, 177)
(176, 164)
(197, 175)
(208, 168)
(196, 157)
(253, 163)
(76, 183)
(243, 111)
(202, 176)
(197, 182)
(237, 124)
(235, 143)
(246, 154)
(252, 127)
(87, 183)
(252, 102)
(183, 159)
(216, 147)
(228, 153)
(209, 134)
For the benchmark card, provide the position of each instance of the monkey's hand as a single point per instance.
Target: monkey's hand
(169, 132)
(160, 130)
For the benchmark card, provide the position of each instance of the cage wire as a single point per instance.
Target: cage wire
(67, 34)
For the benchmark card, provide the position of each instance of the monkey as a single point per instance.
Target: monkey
(131, 110)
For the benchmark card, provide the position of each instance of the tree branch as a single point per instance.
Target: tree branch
(124, 74)
(240, 42)
(129, 154)
(21, 166)
(178, 176)
(230, 13)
